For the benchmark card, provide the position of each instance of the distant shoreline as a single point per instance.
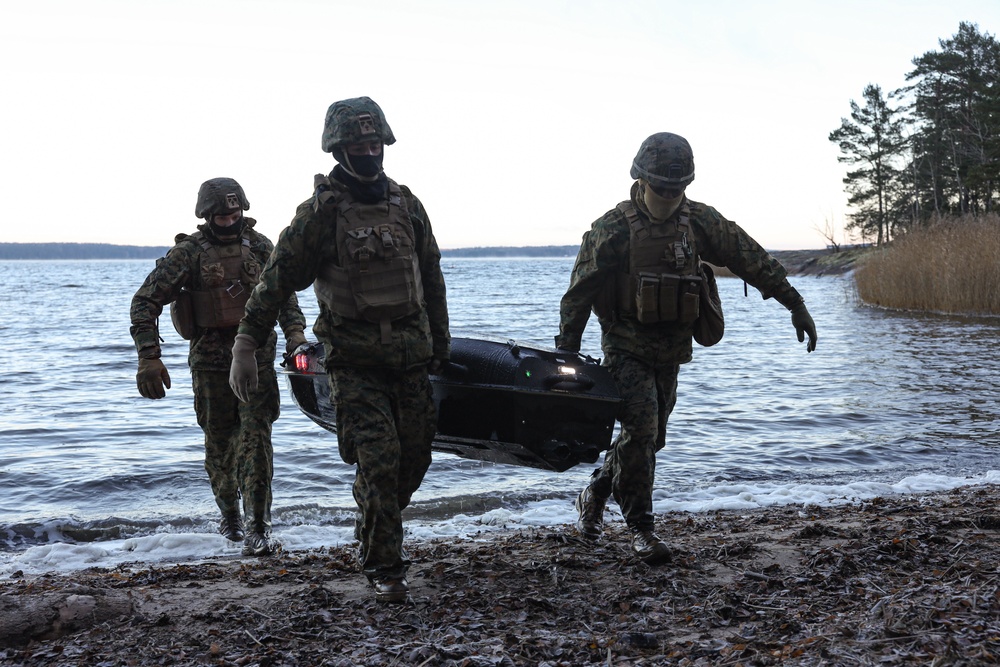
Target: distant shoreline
(112, 251)
(797, 262)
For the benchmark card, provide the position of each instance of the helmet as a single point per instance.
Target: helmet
(355, 120)
(665, 160)
(220, 196)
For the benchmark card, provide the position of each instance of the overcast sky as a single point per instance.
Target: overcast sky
(516, 121)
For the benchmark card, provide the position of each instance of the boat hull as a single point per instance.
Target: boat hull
(500, 401)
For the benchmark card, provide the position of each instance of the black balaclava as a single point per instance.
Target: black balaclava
(366, 193)
(365, 168)
(227, 234)
(362, 174)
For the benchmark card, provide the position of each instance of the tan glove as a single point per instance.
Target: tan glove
(243, 371)
(803, 323)
(293, 340)
(152, 378)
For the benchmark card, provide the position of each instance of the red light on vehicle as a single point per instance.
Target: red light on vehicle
(302, 362)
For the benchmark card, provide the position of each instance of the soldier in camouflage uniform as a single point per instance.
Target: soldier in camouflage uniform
(365, 244)
(207, 277)
(639, 269)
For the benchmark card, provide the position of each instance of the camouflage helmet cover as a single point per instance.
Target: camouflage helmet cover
(664, 159)
(353, 121)
(220, 196)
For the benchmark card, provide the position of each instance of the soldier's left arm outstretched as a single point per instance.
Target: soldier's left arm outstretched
(724, 243)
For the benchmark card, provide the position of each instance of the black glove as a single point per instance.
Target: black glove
(803, 323)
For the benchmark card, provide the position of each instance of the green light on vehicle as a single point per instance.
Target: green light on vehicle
(527, 374)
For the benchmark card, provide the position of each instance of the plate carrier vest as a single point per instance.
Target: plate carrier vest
(662, 280)
(377, 275)
(216, 307)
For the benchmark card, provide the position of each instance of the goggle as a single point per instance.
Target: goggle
(666, 191)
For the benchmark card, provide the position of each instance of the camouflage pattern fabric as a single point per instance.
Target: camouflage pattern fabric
(604, 252)
(380, 390)
(385, 424)
(220, 196)
(665, 159)
(238, 452)
(643, 358)
(353, 121)
(237, 437)
(307, 244)
(648, 397)
(210, 349)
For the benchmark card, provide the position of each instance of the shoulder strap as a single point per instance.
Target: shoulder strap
(635, 223)
(213, 252)
(417, 223)
(683, 248)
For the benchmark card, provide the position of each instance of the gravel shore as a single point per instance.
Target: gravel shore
(900, 580)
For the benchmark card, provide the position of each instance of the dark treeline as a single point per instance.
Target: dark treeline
(79, 251)
(522, 251)
(109, 251)
(929, 149)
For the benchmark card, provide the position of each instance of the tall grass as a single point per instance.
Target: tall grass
(950, 266)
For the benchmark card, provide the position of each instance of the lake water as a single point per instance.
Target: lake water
(94, 475)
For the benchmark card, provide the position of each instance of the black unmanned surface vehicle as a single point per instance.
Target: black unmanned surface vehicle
(497, 400)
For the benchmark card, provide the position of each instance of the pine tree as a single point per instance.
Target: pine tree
(872, 141)
(956, 113)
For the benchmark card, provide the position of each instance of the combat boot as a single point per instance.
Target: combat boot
(590, 506)
(258, 543)
(258, 540)
(231, 526)
(390, 589)
(649, 548)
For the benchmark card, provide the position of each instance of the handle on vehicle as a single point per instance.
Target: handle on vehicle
(453, 370)
(581, 382)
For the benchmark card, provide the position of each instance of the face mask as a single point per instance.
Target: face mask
(232, 231)
(660, 208)
(365, 168)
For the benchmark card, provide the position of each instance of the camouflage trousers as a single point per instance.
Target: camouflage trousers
(648, 397)
(385, 425)
(238, 452)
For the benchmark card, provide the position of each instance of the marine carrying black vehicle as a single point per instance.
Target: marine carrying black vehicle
(497, 401)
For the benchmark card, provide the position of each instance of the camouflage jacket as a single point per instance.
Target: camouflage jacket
(307, 245)
(211, 349)
(604, 252)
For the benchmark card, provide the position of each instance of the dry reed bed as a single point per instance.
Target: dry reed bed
(951, 266)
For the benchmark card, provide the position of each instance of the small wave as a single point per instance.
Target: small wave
(311, 526)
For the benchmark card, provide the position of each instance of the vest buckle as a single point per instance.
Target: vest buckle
(386, 235)
(235, 289)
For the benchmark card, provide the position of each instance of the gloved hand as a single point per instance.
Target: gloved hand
(243, 371)
(803, 323)
(293, 341)
(564, 345)
(288, 358)
(152, 378)
(435, 365)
